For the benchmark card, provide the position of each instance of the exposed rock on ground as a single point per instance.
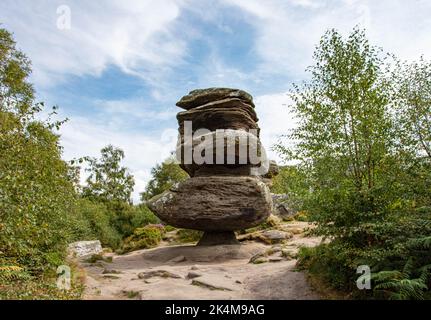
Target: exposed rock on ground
(216, 272)
(85, 248)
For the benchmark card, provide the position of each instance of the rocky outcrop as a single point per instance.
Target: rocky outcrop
(281, 207)
(215, 203)
(200, 97)
(219, 148)
(231, 149)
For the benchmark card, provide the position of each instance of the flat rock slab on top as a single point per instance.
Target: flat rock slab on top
(220, 105)
(200, 97)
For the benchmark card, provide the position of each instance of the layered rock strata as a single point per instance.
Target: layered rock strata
(218, 147)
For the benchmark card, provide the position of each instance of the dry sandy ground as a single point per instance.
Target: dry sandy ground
(190, 272)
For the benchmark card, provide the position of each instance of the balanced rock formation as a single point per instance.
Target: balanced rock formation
(219, 147)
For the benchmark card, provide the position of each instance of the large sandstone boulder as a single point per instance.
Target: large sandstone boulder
(85, 248)
(200, 97)
(214, 203)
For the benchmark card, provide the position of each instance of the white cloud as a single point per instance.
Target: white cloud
(135, 108)
(275, 120)
(148, 39)
(137, 36)
(287, 31)
(84, 137)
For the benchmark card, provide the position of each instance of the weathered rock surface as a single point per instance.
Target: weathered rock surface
(223, 267)
(200, 97)
(223, 114)
(281, 207)
(214, 282)
(230, 148)
(215, 203)
(158, 273)
(85, 248)
(274, 236)
(273, 170)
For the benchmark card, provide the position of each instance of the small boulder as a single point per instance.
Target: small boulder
(274, 236)
(85, 248)
(178, 259)
(275, 259)
(260, 260)
(193, 274)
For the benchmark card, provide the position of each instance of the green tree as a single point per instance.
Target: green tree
(16, 93)
(164, 176)
(344, 131)
(108, 180)
(413, 105)
(368, 188)
(36, 194)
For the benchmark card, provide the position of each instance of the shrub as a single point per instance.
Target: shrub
(143, 238)
(143, 216)
(94, 222)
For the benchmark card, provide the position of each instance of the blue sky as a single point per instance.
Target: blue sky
(122, 65)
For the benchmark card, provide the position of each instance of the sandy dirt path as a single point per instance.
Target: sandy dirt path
(217, 272)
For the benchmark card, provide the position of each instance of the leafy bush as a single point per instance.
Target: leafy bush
(36, 195)
(143, 238)
(164, 176)
(94, 223)
(363, 143)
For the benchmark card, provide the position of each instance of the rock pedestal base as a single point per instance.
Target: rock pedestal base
(211, 238)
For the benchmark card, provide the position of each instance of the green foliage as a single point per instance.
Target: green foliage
(292, 180)
(109, 188)
(362, 144)
(95, 223)
(412, 88)
(20, 285)
(164, 176)
(330, 262)
(108, 180)
(143, 216)
(16, 93)
(36, 193)
(13, 273)
(143, 238)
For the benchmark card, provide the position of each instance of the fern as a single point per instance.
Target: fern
(420, 243)
(399, 286)
(12, 273)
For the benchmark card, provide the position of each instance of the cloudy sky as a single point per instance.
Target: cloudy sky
(121, 66)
